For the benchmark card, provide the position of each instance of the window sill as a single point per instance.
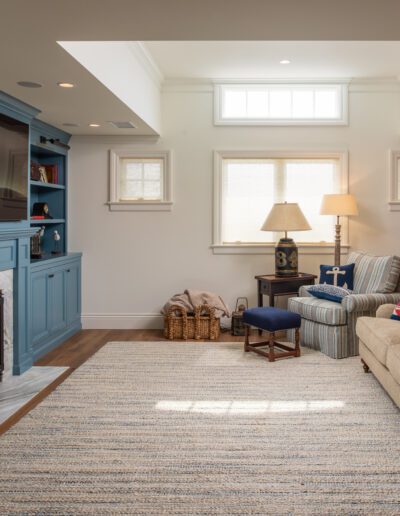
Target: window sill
(313, 249)
(394, 205)
(140, 206)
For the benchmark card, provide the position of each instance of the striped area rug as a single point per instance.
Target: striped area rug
(201, 429)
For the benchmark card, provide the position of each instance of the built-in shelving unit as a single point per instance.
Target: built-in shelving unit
(53, 193)
(46, 291)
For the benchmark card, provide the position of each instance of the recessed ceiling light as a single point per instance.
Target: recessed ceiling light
(29, 84)
(94, 125)
(66, 84)
(70, 124)
(285, 61)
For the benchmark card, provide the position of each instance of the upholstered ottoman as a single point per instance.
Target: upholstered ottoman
(272, 320)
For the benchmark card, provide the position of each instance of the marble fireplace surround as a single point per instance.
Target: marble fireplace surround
(15, 259)
(6, 287)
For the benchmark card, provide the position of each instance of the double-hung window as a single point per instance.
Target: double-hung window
(247, 184)
(140, 181)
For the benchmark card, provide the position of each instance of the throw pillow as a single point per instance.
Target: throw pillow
(329, 292)
(396, 313)
(339, 276)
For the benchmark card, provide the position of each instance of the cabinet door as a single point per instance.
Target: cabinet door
(73, 286)
(40, 307)
(58, 318)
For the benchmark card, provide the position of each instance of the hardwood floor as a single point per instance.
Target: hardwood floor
(76, 350)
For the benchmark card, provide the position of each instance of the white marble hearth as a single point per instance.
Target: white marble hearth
(16, 391)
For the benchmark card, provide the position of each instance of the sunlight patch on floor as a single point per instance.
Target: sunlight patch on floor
(248, 407)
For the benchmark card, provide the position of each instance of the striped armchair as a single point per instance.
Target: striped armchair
(330, 327)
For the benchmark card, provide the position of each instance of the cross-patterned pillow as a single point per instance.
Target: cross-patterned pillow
(396, 313)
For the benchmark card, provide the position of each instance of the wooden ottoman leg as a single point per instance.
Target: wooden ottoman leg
(271, 353)
(246, 337)
(297, 342)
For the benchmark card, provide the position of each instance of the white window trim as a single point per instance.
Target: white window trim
(115, 204)
(268, 248)
(394, 171)
(341, 120)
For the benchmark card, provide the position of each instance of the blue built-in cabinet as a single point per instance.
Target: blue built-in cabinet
(56, 302)
(47, 291)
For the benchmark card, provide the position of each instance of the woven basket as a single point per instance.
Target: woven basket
(187, 326)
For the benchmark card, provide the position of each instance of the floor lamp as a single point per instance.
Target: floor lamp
(338, 205)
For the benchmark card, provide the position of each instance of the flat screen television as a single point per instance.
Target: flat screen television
(14, 154)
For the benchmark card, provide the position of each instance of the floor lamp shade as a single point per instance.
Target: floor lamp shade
(286, 217)
(338, 205)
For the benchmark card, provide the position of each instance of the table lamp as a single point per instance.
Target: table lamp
(338, 204)
(286, 216)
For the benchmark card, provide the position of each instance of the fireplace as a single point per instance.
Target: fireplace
(6, 323)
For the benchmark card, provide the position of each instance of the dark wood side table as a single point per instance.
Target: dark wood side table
(271, 286)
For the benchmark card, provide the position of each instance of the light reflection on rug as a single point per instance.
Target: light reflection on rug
(202, 428)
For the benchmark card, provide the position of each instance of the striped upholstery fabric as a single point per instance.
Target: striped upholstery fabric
(376, 282)
(319, 310)
(374, 274)
(330, 340)
(368, 302)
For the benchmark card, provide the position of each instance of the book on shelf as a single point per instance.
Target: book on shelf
(37, 217)
(44, 173)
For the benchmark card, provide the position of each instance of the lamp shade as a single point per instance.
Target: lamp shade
(339, 204)
(285, 216)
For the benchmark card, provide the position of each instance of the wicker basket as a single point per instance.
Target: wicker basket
(191, 326)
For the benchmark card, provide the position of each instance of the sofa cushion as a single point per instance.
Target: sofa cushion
(393, 362)
(374, 274)
(318, 310)
(378, 335)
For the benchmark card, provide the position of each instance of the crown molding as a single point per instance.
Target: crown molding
(141, 52)
(206, 85)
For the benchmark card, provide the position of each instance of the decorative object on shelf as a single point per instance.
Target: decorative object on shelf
(41, 209)
(237, 326)
(54, 141)
(35, 171)
(36, 241)
(56, 245)
(339, 276)
(43, 174)
(179, 324)
(338, 205)
(286, 217)
(51, 173)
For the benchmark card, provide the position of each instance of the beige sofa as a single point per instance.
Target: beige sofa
(379, 341)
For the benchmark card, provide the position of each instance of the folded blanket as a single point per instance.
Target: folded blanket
(192, 298)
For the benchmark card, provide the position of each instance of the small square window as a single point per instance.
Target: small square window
(140, 181)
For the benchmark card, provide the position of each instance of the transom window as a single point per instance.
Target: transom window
(247, 187)
(140, 180)
(269, 104)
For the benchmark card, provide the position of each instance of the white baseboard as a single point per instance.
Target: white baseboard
(122, 321)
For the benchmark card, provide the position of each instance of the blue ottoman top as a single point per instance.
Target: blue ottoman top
(271, 319)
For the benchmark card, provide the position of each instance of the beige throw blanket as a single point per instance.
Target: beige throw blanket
(191, 298)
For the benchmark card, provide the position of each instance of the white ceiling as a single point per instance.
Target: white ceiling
(260, 59)
(29, 31)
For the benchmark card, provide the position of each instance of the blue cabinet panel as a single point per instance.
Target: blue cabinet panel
(56, 302)
(73, 288)
(40, 302)
(57, 298)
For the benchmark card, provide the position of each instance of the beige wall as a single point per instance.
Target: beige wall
(134, 261)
